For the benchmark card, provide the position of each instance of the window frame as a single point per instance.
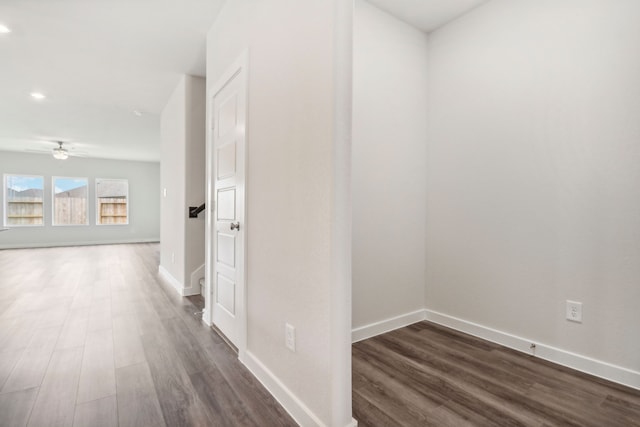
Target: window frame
(5, 208)
(53, 202)
(97, 201)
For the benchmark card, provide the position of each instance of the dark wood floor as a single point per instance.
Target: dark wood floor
(89, 336)
(428, 375)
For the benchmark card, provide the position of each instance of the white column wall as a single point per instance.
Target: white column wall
(183, 181)
(291, 197)
(388, 167)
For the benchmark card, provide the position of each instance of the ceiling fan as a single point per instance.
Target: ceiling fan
(60, 152)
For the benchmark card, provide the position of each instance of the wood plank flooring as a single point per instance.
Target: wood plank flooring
(429, 375)
(90, 336)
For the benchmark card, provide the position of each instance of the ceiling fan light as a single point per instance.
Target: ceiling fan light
(60, 153)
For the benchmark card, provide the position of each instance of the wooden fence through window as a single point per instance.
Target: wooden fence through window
(69, 210)
(25, 211)
(112, 210)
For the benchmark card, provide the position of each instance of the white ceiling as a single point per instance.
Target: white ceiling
(427, 15)
(96, 61)
(99, 60)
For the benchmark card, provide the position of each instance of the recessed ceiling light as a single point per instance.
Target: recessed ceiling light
(4, 29)
(137, 113)
(37, 95)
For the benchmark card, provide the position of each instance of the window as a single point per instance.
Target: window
(70, 197)
(112, 201)
(23, 200)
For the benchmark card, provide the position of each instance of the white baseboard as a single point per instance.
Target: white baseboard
(187, 292)
(562, 357)
(289, 401)
(168, 277)
(196, 275)
(175, 283)
(387, 325)
(87, 243)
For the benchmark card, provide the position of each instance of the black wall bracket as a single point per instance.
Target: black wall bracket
(195, 210)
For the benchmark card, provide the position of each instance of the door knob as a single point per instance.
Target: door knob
(235, 226)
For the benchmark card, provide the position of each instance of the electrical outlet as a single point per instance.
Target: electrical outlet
(173, 257)
(290, 337)
(574, 311)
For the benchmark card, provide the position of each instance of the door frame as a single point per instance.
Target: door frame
(239, 69)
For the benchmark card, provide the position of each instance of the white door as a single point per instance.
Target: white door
(228, 143)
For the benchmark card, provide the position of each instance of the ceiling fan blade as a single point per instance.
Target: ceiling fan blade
(48, 147)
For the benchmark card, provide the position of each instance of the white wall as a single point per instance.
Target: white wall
(389, 166)
(172, 182)
(533, 172)
(182, 173)
(290, 199)
(144, 203)
(195, 175)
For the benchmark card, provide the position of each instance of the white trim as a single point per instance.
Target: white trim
(207, 314)
(196, 275)
(168, 277)
(53, 202)
(5, 207)
(556, 355)
(187, 292)
(341, 227)
(175, 283)
(97, 199)
(387, 325)
(289, 401)
(88, 243)
(239, 65)
(566, 358)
